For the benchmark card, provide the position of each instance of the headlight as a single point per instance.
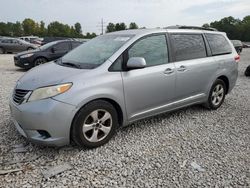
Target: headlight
(26, 55)
(51, 91)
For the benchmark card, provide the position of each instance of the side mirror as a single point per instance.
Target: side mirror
(136, 63)
(52, 50)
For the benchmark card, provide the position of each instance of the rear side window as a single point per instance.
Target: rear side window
(152, 48)
(218, 44)
(188, 46)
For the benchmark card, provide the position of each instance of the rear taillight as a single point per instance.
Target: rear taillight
(237, 59)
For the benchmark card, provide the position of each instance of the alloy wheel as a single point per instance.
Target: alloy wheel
(40, 61)
(97, 125)
(217, 94)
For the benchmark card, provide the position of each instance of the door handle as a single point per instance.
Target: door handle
(168, 71)
(182, 68)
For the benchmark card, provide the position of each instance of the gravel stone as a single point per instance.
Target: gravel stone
(154, 152)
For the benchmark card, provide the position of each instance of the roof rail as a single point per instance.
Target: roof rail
(190, 27)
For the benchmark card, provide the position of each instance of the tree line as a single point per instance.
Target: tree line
(54, 29)
(111, 27)
(235, 28)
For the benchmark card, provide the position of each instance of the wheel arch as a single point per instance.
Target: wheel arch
(226, 81)
(111, 101)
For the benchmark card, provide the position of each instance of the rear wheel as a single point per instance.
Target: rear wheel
(95, 124)
(2, 51)
(39, 61)
(30, 48)
(217, 95)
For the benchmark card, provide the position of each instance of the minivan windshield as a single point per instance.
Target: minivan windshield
(96, 51)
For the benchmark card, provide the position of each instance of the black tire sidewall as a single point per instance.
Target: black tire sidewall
(35, 62)
(247, 72)
(76, 131)
(210, 104)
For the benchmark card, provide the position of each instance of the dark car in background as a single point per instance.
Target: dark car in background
(14, 45)
(237, 45)
(43, 54)
(47, 40)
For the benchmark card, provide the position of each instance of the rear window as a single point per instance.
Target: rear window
(188, 46)
(218, 44)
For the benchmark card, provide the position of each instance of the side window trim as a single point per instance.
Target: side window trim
(70, 45)
(173, 47)
(208, 49)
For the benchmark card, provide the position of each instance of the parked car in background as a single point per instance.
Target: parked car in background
(43, 54)
(52, 39)
(247, 71)
(237, 45)
(15, 45)
(246, 45)
(32, 39)
(121, 77)
(37, 42)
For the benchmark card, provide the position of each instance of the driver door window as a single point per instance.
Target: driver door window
(152, 48)
(62, 47)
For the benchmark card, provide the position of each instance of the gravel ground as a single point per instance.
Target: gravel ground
(192, 147)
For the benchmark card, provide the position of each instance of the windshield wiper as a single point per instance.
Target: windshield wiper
(71, 64)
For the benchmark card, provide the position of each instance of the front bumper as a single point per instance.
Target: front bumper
(25, 63)
(45, 122)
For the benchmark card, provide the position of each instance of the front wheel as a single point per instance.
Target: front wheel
(2, 51)
(40, 61)
(217, 95)
(95, 124)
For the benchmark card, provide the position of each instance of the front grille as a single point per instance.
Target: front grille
(18, 95)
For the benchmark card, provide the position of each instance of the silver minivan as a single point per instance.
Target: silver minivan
(121, 77)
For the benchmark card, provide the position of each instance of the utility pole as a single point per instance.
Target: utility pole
(102, 26)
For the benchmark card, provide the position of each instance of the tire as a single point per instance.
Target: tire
(95, 124)
(40, 61)
(247, 72)
(216, 95)
(2, 51)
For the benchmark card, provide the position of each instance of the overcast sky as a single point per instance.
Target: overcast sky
(148, 13)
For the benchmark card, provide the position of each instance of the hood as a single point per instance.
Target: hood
(27, 52)
(45, 75)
